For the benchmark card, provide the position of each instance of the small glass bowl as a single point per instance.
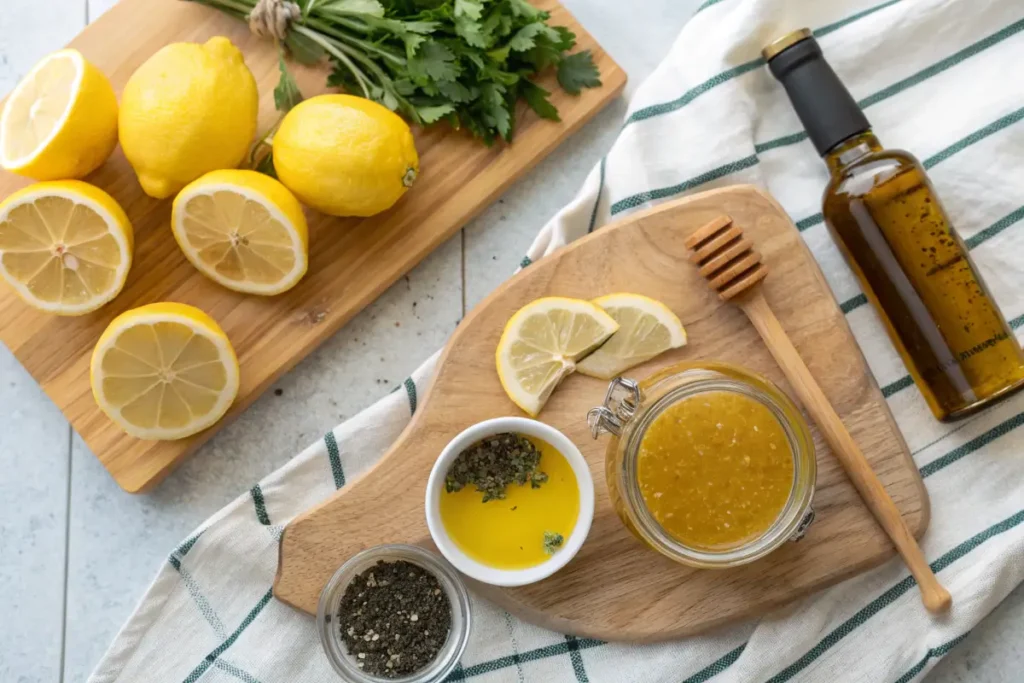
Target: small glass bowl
(630, 408)
(458, 597)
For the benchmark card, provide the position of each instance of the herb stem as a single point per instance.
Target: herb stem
(336, 53)
(238, 6)
(326, 28)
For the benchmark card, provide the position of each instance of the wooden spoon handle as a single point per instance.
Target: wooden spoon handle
(935, 597)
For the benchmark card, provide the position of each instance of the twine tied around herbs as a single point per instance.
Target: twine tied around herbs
(273, 17)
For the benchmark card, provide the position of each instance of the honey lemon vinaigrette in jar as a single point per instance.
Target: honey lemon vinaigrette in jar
(710, 465)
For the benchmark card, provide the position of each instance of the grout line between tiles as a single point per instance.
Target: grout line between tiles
(67, 560)
(67, 516)
(462, 250)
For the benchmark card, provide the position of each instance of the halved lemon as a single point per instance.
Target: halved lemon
(65, 246)
(164, 371)
(541, 344)
(242, 229)
(60, 121)
(647, 328)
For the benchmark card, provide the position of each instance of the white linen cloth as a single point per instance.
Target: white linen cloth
(938, 77)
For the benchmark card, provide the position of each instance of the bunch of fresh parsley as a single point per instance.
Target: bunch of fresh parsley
(464, 61)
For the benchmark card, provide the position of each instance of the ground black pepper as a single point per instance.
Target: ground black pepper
(394, 618)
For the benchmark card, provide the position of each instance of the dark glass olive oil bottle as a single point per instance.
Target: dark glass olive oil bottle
(887, 220)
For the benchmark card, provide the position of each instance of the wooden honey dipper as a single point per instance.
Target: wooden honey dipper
(734, 269)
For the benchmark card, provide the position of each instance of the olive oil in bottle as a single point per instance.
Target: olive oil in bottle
(887, 220)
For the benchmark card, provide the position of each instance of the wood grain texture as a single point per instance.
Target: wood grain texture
(351, 261)
(615, 588)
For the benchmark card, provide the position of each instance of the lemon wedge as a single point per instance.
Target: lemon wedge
(164, 371)
(60, 121)
(242, 229)
(65, 246)
(541, 344)
(647, 328)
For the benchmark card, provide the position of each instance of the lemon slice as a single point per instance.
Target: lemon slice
(541, 343)
(242, 229)
(647, 328)
(164, 371)
(65, 246)
(60, 121)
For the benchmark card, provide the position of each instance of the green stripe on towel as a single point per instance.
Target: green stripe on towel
(334, 455)
(235, 671)
(973, 445)
(890, 596)
(230, 640)
(410, 390)
(655, 110)
(940, 651)
(260, 504)
(714, 174)
(600, 191)
(718, 666)
(576, 659)
(898, 87)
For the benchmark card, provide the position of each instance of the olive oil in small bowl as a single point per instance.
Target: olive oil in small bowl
(510, 501)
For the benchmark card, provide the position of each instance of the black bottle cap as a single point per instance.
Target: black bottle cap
(825, 107)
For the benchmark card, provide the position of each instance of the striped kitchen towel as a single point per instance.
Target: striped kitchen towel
(939, 77)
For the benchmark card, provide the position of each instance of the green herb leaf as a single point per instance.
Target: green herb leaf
(521, 8)
(470, 62)
(493, 109)
(433, 61)
(473, 9)
(578, 71)
(302, 49)
(457, 92)
(526, 37)
(566, 39)
(370, 7)
(537, 98)
(286, 94)
(435, 113)
(472, 32)
(341, 77)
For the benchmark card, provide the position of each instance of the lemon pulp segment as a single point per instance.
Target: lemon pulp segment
(60, 121)
(243, 230)
(164, 371)
(647, 328)
(541, 344)
(65, 246)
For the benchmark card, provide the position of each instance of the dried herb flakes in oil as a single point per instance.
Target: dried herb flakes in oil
(394, 618)
(552, 542)
(494, 463)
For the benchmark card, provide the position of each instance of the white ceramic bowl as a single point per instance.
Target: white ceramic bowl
(509, 577)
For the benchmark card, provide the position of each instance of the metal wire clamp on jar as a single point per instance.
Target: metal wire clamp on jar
(630, 408)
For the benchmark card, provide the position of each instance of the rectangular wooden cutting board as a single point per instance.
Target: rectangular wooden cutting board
(351, 261)
(616, 588)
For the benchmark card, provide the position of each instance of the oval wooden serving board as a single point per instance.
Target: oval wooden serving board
(351, 261)
(615, 588)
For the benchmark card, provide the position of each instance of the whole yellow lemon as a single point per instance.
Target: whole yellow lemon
(345, 155)
(189, 109)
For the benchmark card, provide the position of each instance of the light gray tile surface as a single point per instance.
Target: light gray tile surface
(34, 437)
(34, 463)
(54, 494)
